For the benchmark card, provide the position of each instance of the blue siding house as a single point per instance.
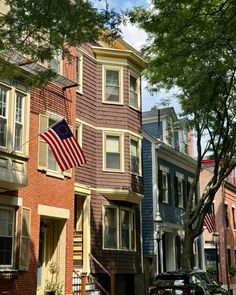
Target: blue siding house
(168, 171)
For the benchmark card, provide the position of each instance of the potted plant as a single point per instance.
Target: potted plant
(52, 286)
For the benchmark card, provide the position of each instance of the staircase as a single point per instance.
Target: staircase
(90, 288)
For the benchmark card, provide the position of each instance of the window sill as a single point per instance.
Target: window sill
(7, 274)
(54, 174)
(134, 108)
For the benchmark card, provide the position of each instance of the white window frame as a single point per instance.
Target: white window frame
(121, 148)
(2, 266)
(132, 74)
(50, 172)
(7, 116)
(180, 178)
(131, 229)
(19, 147)
(165, 190)
(79, 72)
(12, 90)
(120, 75)
(138, 141)
(57, 56)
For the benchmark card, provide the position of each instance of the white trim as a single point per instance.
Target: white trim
(11, 201)
(53, 211)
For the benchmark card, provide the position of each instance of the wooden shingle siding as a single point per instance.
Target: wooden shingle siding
(147, 203)
(152, 128)
(118, 261)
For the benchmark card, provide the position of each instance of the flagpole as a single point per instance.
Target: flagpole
(35, 136)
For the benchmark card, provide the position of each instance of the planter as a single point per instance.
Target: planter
(49, 292)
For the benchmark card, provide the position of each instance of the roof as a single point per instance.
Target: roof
(154, 113)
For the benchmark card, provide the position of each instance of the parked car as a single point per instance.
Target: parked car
(196, 282)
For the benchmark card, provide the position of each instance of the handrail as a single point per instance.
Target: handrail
(100, 265)
(111, 277)
(99, 285)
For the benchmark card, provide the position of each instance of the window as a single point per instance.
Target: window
(233, 217)
(14, 117)
(119, 228)
(46, 159)
(179, 190)
(135, 156)
(7, 222)
(3, 115)
(112, 85)
(79, 72)
(55, 63)
(134, 92)
(226, 216)
(19, 121)
(110, 228)
(113, 152)
(164, 184)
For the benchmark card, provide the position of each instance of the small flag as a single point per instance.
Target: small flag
(209, 220)
(64, 145)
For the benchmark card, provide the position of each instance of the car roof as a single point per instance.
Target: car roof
(179, 273)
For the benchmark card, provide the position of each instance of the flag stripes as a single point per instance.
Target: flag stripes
(209, 221)
(64, 145)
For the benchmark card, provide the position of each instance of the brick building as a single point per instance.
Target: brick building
(37, 199)
(220, 249)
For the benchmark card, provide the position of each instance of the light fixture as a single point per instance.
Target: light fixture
(181, 233)
(158, 222)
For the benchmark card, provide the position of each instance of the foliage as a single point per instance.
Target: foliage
(192, 46)
(211, 268)
(232, 270)
(53, 284)
(44, 28)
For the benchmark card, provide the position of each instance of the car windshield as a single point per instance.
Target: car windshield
(171, 280)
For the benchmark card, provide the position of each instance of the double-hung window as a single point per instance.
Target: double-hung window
(46, 159)
(119, 228)
(164, 184)
(19, 121)
(134, 92)
(112, 85)
(113, 151)
(135, 156)
(7, 228)
(179, 190)
(79, 72)
(3, 116)
(14, 117)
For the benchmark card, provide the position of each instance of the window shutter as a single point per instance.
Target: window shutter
(160, 185)
(24, 239)
(169, 189)
(184, 195)
(176, 192)
(42, 146)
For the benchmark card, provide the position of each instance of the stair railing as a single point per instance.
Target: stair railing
(110, 275)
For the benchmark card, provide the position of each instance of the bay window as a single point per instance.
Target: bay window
(113, 151)
(119, 228)
(112, 84)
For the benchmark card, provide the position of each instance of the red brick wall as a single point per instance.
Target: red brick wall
(45, 190)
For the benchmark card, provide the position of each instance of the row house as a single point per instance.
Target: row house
(37, 199)
(220, 246)
(109, 188)
(168, 169)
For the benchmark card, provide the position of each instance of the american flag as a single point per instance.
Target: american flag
(209, 220)
(64, 145)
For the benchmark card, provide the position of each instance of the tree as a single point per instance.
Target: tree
(192, 45)
(40, 29)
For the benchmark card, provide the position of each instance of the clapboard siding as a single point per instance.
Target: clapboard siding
(147, 203)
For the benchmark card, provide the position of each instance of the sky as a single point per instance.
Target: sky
(136, 38)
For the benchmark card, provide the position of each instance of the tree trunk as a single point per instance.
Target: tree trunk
(187, 251)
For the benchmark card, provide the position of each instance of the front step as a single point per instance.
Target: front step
(90, 288)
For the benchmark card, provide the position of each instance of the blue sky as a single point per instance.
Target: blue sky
(136, 38)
